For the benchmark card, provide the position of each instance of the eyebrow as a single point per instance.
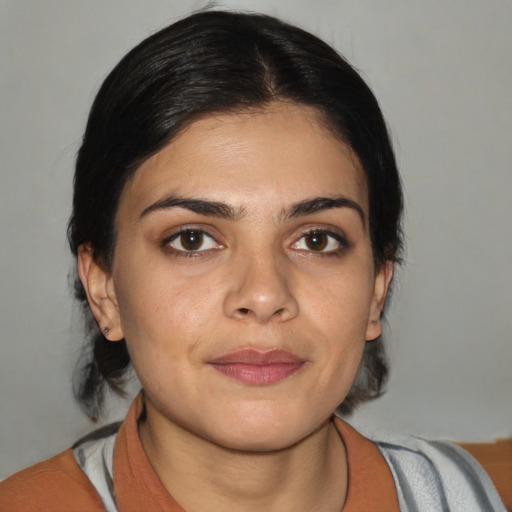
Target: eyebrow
(225, 211)
(200, 206)
(318, 204)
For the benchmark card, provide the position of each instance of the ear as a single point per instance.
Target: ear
(99, 287)
(382, 280)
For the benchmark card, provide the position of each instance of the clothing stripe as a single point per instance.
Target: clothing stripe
(452, 452)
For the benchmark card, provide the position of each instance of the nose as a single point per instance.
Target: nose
(259, 290)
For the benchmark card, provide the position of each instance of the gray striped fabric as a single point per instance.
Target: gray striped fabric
(437, 476)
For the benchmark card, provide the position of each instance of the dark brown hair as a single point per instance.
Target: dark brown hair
(215, 61)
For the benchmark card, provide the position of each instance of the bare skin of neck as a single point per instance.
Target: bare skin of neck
(310, 476)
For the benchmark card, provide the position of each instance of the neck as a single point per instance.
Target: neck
(309, 476)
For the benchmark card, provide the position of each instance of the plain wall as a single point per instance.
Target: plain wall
(443, 74)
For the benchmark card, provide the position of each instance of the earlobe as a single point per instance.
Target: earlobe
(382, 281)
(99, 288)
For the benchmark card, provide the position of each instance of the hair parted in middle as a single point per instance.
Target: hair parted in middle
(210, 62)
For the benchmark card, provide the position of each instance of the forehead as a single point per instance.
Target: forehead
(273, 156)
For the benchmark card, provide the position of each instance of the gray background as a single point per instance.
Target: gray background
(442, 71)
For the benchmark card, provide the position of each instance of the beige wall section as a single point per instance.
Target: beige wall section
(443, 74)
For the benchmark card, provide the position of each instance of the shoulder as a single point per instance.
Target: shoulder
(54, 485)
(437, 474)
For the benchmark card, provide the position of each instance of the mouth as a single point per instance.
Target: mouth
(257, 368)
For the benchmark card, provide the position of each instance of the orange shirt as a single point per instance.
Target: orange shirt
(58, 484)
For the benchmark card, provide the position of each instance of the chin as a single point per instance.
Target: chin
(258, 441)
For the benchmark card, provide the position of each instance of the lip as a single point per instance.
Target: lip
(256, 367)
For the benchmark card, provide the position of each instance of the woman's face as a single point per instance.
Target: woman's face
(243, 278)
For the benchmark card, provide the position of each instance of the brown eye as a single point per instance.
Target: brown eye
(316, 241)
(192, 240)
(321, 241)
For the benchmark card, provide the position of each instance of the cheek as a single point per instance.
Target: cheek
(339, 311)
(341, 302)
(162, 309)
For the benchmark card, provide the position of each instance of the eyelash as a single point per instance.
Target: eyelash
(341, 241)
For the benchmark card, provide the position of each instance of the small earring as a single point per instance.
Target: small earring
(106, 331)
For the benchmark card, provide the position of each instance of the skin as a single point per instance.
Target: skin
(266, 275)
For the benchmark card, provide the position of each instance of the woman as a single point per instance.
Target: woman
(236, 220)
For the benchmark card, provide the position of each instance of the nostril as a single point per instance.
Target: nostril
(245, 311)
